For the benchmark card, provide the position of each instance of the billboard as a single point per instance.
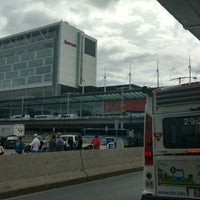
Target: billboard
(128, 105)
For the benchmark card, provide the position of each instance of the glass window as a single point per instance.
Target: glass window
(49, 61)
(9, 53)
(182, 132)
(90, 47)
(19, 66)
(43, 70)
(1, 76)
(18, 82)
(26, 72)
(12, 59)
(44, 53)
(48, 78)
(28, 56)
(5, 69)
(2, 61)
(35, 63)
(11, 75)
(35, 79)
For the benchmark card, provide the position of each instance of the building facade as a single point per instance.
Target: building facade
(46, 61)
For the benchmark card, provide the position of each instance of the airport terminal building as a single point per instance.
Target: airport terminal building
(46, 61)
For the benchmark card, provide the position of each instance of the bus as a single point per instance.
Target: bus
(43, 117)
(172, 142)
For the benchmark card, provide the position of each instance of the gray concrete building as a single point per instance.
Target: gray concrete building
(46, 61)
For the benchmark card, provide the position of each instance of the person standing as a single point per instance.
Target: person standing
(35, 144)
(52, 144)
(42, 146)
(79, 142)
(96, 142)
(1, 150)
(19, 146)
(59, 142)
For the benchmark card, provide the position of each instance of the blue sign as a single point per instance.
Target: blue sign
(110, 142)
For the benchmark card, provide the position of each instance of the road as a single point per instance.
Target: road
(126, 187)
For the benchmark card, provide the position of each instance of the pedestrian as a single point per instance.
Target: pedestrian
(70, 143)
(35, 144)
(1, 150)
(52, 143)
(96, 142)
(79, 142)
(59, 142)
(42, 146)
(19, 146)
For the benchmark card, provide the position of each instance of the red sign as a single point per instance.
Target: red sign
(128, 104)
(69, 43)
(158, 136)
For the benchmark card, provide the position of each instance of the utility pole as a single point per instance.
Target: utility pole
(104, 80)
(190, 71)
(129, 75)
(158, 84)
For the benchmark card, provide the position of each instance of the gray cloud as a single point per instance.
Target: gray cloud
(101, 4)
(133, 33)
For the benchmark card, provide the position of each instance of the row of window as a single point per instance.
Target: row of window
(27, 49)
(31, 37)
(27, 72)
(25, 81)
(28, 92)
(25, 65)
(26, 57)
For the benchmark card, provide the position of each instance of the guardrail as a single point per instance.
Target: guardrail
(39, 171)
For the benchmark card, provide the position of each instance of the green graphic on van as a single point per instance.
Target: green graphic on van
(176, 176)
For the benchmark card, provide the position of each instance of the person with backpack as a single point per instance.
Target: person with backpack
(19, 146)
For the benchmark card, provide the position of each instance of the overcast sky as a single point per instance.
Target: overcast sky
(131, 34)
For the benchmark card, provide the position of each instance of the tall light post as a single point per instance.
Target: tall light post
(122, 100)
(83, 85)
(68, 103)
(22, 106)
(22, 102)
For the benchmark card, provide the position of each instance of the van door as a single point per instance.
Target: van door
(177, 156)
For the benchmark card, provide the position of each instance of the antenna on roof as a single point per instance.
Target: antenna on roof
(104, 79)
(129, 76)
(190, 70)
(157, 71)
(190, 74)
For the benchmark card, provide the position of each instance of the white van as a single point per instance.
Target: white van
(20, 117)
(41, 117)
(172, 143)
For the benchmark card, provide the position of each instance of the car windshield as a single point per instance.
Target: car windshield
(182, 132)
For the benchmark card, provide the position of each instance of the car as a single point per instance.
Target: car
(10, 142)
(70, 141)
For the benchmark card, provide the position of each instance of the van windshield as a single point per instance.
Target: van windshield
(182, 132)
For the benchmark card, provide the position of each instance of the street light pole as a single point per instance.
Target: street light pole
(68, 103)
(22, 106)
(122, 100)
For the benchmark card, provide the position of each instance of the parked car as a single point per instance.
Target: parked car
(10, 142)
(70, 141)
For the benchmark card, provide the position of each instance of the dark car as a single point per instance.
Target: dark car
(10, 142)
